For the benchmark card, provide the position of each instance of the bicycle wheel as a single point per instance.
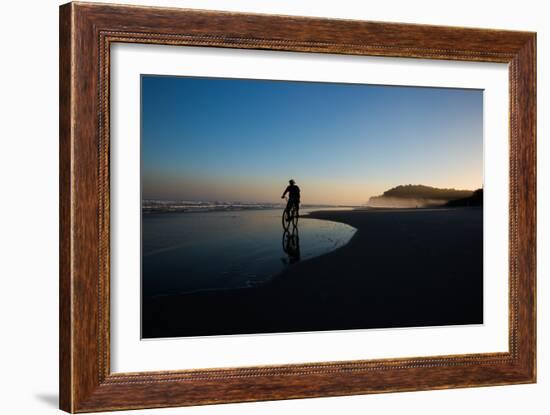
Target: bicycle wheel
(294, 218)
(286, 219)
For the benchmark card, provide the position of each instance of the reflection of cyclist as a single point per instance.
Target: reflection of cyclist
(291, 244)
(293, 196)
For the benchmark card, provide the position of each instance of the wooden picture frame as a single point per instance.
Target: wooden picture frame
(86, 33)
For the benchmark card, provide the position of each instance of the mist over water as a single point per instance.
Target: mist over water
(404, 203)
(185, 252)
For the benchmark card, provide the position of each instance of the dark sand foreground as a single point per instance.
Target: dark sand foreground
(402, 268)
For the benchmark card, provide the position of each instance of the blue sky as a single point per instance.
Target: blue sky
(241, 140)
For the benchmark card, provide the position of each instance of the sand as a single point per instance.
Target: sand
(402, 268)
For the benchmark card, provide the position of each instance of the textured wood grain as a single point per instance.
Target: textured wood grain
(65, 246)
(86, 33)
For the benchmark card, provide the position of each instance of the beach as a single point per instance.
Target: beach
(402, 268)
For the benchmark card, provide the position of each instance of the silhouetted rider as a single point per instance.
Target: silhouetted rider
(293, 195)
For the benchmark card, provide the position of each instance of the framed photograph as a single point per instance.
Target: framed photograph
(258, 207)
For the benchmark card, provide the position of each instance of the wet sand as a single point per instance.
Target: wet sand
(402, 268)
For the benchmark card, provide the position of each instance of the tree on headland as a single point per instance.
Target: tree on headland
(420, 191)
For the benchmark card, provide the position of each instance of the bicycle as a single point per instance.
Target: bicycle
(290, 215)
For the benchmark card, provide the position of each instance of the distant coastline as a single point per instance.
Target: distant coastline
(417, 195)
(403, 196)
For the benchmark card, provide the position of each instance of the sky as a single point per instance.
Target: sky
(214, 139)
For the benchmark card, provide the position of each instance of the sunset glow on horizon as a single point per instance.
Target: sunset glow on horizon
(242, 140)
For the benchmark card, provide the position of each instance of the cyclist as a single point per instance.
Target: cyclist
(293, 196)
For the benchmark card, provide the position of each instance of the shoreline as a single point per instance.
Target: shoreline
(399, 266)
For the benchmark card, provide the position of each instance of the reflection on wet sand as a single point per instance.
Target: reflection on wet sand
(291, 243)
(190, 252)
